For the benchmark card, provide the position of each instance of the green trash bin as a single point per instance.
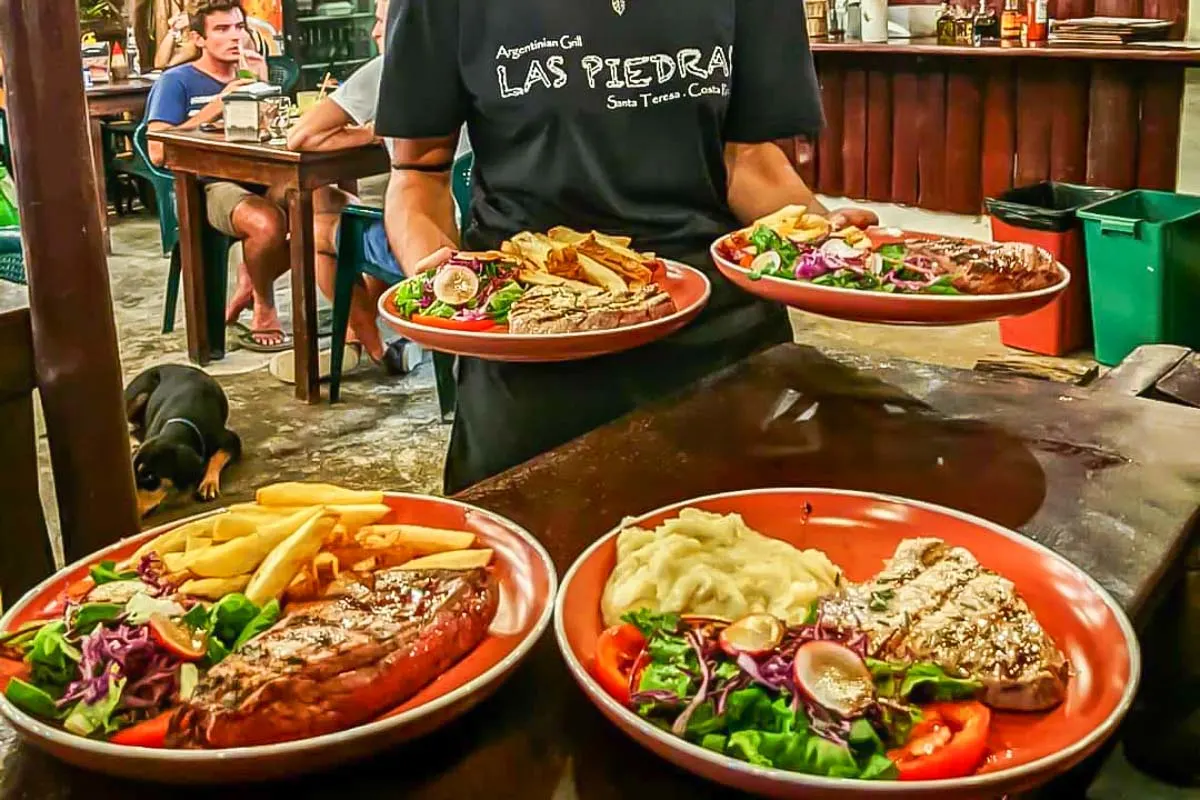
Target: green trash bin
(1143, 253)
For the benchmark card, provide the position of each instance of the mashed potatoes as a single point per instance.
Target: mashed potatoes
(702, 563)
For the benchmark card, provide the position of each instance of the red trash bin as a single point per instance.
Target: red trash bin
(1043, 214)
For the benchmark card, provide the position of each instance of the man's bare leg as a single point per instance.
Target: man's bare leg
(243, 295)
(328, 203)
(262, 228)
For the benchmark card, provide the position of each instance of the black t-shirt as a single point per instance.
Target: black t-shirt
(599, 114)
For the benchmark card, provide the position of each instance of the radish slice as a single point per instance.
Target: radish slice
(754, 634)
(764, 262)
(834, 677)
(455, 285)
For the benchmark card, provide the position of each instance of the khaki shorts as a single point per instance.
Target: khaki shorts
(221, 198)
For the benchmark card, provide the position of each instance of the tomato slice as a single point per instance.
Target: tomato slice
(746, 261)
(454, 324)
(616, 651)
(188, 644)
(949, 742)
(150, 733)
(11, 668)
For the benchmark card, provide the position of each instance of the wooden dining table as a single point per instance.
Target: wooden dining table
(1106, 480)
(105, 100)
(192, 155)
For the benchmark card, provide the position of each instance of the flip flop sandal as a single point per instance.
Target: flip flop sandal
(246, 340)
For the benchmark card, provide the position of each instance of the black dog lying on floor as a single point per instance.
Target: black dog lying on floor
(177, 415)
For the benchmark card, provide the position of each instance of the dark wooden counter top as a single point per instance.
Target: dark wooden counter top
(930, 47)
(1108, 481)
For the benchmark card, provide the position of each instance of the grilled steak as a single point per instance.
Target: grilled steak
(935, 603)
(373, 642)
(981, 268)
(558, 309)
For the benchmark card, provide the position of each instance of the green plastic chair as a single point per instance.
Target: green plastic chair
(352, 262)
(12, 257)
(163, 183)
(283, 71)
(215, 247)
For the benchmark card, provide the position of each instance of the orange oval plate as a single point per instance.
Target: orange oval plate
(858, 530)
(688, 287)
(527, 582)
(857, 305)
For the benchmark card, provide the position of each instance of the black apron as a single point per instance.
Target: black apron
(507, 413)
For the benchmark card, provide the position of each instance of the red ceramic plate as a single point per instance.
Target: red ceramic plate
(527, 584)
(887, 308)
(688, 287)
(858, 530)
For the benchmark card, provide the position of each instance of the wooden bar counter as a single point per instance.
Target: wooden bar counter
(943, 127)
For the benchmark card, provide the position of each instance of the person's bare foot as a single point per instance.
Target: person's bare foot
(243, 296)
(265, 327)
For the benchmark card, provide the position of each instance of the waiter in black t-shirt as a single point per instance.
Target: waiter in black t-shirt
(647, 118)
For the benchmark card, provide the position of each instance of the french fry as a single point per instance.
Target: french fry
(284, 561)
(234, 526)
(421, 540)
(383, 556)
(352, 517)
(303, 587)
(255, 510)
(195, 543)
(452, 559)
(245, 554)
(177, 563)
(214, 588)
(173, 541)
(325, 567)
(366, 565)
(309, 494)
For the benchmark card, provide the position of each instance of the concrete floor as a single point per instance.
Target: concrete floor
(387, 432)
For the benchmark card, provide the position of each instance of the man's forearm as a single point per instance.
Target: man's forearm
(340, 139)
(211, 111)
(419, 215)
(761, 180)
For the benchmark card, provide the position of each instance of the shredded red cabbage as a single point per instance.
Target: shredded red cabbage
(127, 651)
(152, 572)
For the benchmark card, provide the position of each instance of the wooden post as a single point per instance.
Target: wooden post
(74, 335)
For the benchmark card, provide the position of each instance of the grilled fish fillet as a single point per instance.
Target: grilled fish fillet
(934, 603)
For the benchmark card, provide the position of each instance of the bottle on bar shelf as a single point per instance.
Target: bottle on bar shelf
(132, 55)
(964, 27)
(1037, 23)
(1012, 21)
(945, 25)
(987, 24)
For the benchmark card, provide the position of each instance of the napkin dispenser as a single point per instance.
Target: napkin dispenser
(246, 117)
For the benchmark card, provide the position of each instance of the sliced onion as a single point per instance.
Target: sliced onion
(834, 677)
(768, 261)
(754, 634)
(455, 285)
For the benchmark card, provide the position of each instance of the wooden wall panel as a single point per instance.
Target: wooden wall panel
(854, 133)
(931, 124)
(1118, 8)
(1158, 131)
(999, 128)
(944, 134)
(1176, 10)
(879, 135)
(964, 139)
(906, 137)
(1070, 9)
(1068, 122)
(1035, 97)
(829, 146)
(1112, 127)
